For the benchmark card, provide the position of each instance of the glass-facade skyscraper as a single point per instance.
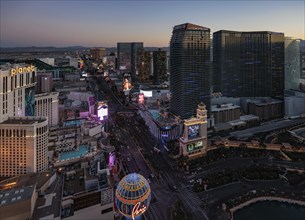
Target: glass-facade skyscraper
(127, 54)
(160, 66)
(292, 63)
(190, 69)
(248, 64)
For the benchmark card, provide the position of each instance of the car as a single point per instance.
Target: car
(175, 188)
(192, 181)
(128, 159)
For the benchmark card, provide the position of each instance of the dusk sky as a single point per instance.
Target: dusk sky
(104, 23)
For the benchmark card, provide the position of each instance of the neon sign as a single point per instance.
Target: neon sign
(138, 210)
(19, 70)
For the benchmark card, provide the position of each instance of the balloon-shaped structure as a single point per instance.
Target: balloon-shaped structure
(133, 196)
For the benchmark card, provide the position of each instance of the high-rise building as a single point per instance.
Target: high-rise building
(190, 69)
(302, 65)
(144, 66)
(248, 64)
(46, 104)
(17, 90)
(23, 145)
(292, 63)
(97, 53)
(160, 66)
(44, 82)
(128, 57)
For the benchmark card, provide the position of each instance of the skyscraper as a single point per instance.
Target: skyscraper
(17, 90)
(248, 64)
(44, 82)
(190, 76)
(128, 57)
(292, 63)
(160, 66)
(143, 66)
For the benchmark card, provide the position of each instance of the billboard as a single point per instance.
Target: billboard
(30, 101)
(194, 146)
(193, 131)
(111, 159)
(147, 93)
(102, 110)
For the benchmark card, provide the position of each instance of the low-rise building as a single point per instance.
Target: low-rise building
(225, 112)
(18, 204)
(266, 108)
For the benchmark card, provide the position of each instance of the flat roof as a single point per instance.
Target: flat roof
(215, 108)
(26, 180)
(16, 195)
(74, 184)
(24, 120)
(267, 128)
(49, 204)
(248, 117)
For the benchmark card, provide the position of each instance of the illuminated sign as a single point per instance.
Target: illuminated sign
(141, 99)
(126, 85)
(102, 110)
(19, 70)
(111, 159)
(193, 131)
(147, 93)
(138, 210)
(194, 146)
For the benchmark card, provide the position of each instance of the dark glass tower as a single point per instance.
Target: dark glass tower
(190, 75)
(248, 64)
(160, 66)
(128, 57)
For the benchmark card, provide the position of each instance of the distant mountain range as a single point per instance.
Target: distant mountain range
(71, 48)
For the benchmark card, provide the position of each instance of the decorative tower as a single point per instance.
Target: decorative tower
(193, 142)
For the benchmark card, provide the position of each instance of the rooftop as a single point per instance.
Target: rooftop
(48, 206)
(248, 32)
(190, 26)
(267, 128)
(25, 180)
(264, 101)
(23, 120)
(215, 108)
(16, 195)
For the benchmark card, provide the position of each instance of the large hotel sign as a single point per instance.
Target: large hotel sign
(19, 70)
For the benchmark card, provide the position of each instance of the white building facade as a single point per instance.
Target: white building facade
(17, 90)
(46, 104)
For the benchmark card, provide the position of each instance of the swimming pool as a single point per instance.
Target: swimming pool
(83, 150)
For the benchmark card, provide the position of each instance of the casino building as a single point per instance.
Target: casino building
(23, 137)
(193, 142)
(46, 104)
(23, 145)
(17, 90)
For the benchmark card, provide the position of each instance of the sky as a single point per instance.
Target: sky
(103, 23)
